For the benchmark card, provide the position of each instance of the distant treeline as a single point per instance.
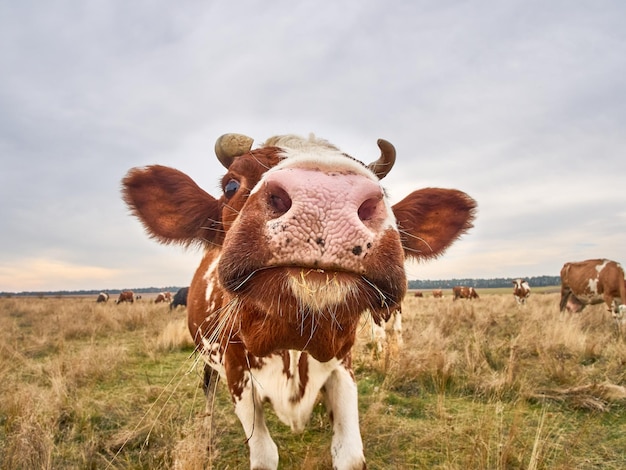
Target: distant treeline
(95, 292)
(535, 281)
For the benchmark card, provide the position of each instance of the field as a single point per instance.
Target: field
(480, 384)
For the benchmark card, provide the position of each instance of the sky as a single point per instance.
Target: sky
(519, 103)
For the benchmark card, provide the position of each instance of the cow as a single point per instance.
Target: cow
(180, 298)
(126, 296)
(463, 292)
(437, 293)
(591, 282)
(302, 241)
(521, 291)
(163, 297)
(419, 294)
(103, 297)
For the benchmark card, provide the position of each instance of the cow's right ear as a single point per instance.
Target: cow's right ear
(171, 206)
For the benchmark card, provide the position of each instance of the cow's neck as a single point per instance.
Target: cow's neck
(324, 339)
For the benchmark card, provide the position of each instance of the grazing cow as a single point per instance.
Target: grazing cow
(180, 298)
(521, 291)
(163, 297)
(437, 293)
(103, 297)
(419, 294)
(592, 282)
(126, 296)
(302, 241)
(463, 292)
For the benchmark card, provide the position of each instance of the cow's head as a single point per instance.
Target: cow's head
(308, 238)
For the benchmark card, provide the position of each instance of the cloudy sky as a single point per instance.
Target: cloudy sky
(522, 104)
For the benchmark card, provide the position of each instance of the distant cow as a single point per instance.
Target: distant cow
(180, 298)
(463, 292)
(419, 294)
(288, 271)
(163, 297)
(126, 296)
(592, 282)
(437, 293)
(103, 297)
(521, 291)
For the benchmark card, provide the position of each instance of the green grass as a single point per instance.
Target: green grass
(479, 384)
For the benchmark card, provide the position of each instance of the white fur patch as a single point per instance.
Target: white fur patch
(271, 382)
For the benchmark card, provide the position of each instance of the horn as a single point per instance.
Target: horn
(385, 162)
(230, 146)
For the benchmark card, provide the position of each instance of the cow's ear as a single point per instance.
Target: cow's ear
(431, 219)
(171, 206)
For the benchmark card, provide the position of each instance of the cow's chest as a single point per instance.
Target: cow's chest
(290, 380)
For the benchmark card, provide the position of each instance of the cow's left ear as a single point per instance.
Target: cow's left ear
(431, 219)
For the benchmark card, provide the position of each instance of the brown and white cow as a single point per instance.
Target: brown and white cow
(591, 282)
(437, 293)
(163, 297)
(103, 297)
(464, 292)
(126, 296)
(302, 241)
(521, 291)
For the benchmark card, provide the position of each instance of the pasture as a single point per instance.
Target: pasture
(480, 384)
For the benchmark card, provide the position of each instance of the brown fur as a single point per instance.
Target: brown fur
(576, 292)
(463, 292)
(126, 296)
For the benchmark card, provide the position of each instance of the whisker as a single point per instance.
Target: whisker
(410, 235)
(383, 297)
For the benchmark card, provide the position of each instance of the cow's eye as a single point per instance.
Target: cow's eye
(231, 188)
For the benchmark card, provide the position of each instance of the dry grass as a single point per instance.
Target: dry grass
(482, 384)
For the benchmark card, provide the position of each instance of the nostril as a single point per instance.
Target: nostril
(368, 208)
(278, 199)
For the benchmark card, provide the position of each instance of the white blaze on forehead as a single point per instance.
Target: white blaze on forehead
(315, 154)
(323, 159)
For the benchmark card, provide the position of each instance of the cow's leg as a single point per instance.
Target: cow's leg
(342, 405)
(397, 326)
(612, 304)
(565, 293)
(249, 410)
(379, 335)
(209, 385)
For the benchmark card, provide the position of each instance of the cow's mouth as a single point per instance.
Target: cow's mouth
(317, 290)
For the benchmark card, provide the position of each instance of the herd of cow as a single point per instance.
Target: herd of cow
(301, 243)
(179, 299)
(583, 283)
